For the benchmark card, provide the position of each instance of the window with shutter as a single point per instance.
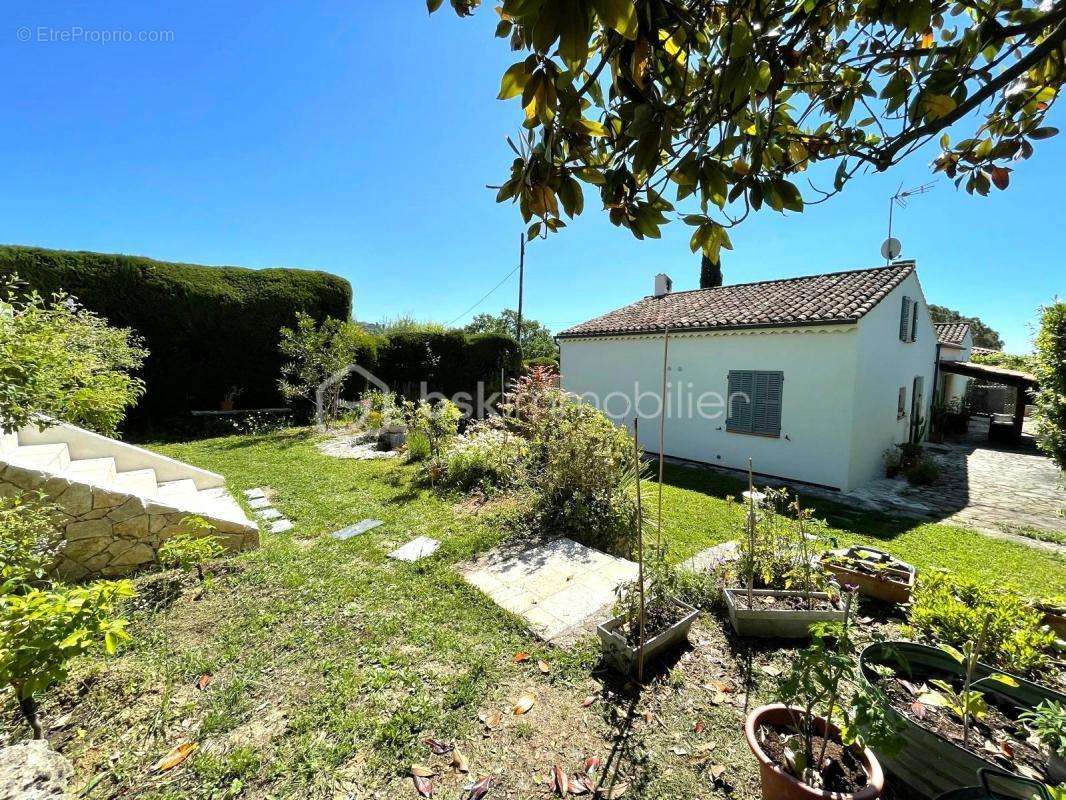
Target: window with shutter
(755, 402)
(901, 405)
(905, 320)
(914, 321)
(741, 395)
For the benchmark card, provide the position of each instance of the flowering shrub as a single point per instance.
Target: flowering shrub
(485, 458)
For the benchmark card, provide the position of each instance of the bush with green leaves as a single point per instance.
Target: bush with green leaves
(438, 422)
(30, 537)
(485, 458)
(41, 630)
(948, 611)
(316, 353)
(1050, 369)
(190, 551)
(1048, 722)
(62, 361)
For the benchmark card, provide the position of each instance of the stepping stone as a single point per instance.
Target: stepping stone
(254, 494)
(259, 502)
(268, 514)
(357, 529)
(280, 526)
(415, 549)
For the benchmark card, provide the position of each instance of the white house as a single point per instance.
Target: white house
(813, 378)
(956, 344)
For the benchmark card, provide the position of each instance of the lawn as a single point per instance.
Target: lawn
(329, 664)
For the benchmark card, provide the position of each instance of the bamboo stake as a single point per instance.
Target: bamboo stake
(751, 537)
(640, 559)
(662, 429)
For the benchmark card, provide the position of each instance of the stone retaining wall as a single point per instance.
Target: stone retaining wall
(111, 533)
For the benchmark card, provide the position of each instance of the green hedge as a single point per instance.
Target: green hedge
(1050, 368)
(448, 362)
(208, 329)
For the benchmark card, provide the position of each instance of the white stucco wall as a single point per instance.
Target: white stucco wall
(819, 366)
(884, 365)
(953, 387)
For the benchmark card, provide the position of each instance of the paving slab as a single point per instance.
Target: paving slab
(254, 494)
(357, 529)
(561, 588)
(281, 526)
(268, 514)
(259, 502)
(416, 549)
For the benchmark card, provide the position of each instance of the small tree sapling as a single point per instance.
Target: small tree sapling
(190, 551)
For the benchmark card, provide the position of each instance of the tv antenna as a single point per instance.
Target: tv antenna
(893, 247)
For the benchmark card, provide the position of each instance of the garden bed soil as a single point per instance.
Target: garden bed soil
(999, 737)
(793, 603)
(843, 772)
(660, 617)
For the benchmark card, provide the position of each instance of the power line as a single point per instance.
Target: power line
(484, 297)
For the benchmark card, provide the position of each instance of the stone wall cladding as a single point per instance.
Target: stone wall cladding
(109, 533)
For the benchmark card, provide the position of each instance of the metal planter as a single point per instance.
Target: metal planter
(927, 762)
(777, 623)
(623, 657)
(894, 584)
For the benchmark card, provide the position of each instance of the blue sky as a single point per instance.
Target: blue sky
(358, 137)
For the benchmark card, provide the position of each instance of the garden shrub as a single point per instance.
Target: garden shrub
(485, 458)
(208, 329)
(61, 361)
(923, 472)
(1050, 369)
(29, 540)
(951, 611)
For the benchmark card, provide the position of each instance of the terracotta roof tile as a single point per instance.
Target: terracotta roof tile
(951, 332)
(838, 297)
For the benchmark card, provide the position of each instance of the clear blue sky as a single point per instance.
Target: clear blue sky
(357, 138)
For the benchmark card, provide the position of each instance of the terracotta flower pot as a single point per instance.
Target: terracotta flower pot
(779, 785)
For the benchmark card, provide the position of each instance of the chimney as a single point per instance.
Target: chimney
(663, 285)
(710, 273)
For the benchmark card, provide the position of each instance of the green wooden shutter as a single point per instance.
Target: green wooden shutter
(766, 417)
(905, 320)
(741, 395)
(914, 322)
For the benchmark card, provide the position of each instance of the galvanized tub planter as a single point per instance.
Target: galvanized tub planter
(392, 437)
(623, 657)
(891, 580)
(927, 762)
(779, 623)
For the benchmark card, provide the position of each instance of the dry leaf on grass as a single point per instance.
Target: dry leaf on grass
(521, 656)
(477, 789)
(579, 784)
(588, 701)
(175, 757)
(560, 783)
(204, 681)
(422, 771)
(698, 727)
(612, 792)
(438, 747)
(459, 761)
(771, 670)
(721, 686)
(592, 765)
(543, 667)
(525, 702)
(717, 771)
(424, 786)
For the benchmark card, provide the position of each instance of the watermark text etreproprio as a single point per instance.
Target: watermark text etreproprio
(78, 34)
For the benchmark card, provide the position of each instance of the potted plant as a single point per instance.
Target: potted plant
(813, 743)
(876, 573)
(1048, 722)
(649, 619)
(958, 714)
(785, 589)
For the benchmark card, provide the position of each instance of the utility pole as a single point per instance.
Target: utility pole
(521, 280)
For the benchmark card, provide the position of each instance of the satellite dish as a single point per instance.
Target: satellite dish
(891, 248)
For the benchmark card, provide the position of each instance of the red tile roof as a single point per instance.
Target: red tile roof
(835, 298)
(951, 332)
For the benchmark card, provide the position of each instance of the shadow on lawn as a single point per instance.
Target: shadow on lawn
(281, 440)
(875, 524)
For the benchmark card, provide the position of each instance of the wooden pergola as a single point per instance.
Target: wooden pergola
(1023, 383)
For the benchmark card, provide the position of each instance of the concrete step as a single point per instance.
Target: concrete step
(92, 470)
(137, 481)
(176, 491)
(52, 457)
(8, 441)
(215, 502)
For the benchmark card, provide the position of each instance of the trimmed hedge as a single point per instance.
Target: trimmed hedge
(208, 329)
(448, 362)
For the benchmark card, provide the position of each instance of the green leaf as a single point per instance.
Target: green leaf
(999, 677)
(433, 5)
(576, 29)
(620, 15)
(591, 127)
(1043, 133)
(937, 105)
(514, 81)
(953, 652)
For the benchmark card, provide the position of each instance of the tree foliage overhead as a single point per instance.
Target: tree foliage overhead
(537, 340)
(731, 101)
(983, 335)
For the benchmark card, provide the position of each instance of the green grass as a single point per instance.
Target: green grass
(330, 663)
